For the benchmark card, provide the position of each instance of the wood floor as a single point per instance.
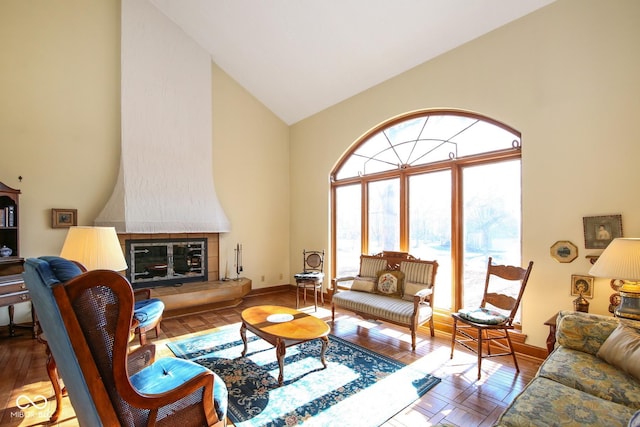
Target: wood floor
(459, 400)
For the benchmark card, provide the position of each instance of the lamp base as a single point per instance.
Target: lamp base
(630, 303)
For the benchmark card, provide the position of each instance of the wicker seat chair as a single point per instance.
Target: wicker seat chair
(87, 322)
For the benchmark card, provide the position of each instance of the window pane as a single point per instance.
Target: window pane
(491, 222)
(430, 227)
(348, 230)
(384, 216)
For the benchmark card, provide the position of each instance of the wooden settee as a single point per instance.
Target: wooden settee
(391, 286)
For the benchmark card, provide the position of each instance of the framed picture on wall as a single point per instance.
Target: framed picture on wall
(599, 231)
(564, 251)
(64, 218)
(582, 285)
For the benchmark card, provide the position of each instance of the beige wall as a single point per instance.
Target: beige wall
(59, 113)
(566, 76)
(251, 169)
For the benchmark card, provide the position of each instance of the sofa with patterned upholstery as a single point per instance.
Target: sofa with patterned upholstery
(391, 286)
(592, 377)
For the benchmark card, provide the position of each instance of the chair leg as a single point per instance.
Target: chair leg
(453, 336)
(479, 353)
(315, 298)
(143, 338)
(513, 352)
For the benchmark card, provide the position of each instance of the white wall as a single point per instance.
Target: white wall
(565, 76)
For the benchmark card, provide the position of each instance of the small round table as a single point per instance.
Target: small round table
(283, 327)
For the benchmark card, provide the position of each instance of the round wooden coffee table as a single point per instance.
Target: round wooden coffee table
(283, 327)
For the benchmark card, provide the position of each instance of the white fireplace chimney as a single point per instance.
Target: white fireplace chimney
(165, 183)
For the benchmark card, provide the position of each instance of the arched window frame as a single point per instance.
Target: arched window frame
(403, 172)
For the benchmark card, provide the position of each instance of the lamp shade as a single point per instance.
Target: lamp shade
(620, 260)
(95, 248)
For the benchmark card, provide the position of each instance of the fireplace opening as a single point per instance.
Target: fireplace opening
(166, 262)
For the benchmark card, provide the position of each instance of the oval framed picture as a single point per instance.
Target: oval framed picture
(564, 251)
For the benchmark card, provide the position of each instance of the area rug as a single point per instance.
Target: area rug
(358, 388)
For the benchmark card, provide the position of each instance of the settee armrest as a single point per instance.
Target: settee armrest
(421, 296)
(335, 283)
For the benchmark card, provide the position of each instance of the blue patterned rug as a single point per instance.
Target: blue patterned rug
(358, 388)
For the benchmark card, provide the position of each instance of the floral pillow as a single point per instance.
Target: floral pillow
(390, 283)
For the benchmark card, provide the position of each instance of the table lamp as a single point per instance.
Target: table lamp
(621, 260)
(95, 248)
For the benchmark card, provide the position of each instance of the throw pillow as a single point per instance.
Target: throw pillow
(622, 350)
(390, 283)
(63, 269)
(364, 284)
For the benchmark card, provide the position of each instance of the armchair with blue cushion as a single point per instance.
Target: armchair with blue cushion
(87, 321)
(147, 311)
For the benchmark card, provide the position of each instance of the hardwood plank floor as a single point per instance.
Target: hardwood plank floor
(458, 400)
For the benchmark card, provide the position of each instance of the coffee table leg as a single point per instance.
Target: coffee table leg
(243, 334)
(280, 351)
(325, 342)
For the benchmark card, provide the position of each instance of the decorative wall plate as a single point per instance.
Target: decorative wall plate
(564, 251)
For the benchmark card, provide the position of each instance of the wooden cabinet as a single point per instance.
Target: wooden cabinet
(12, 288)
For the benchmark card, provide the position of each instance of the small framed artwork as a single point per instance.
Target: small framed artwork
(564, 251)
(582, 285)
(64, 218)
(599, 231)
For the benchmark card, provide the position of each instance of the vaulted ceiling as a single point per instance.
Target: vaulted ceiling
(299, 57)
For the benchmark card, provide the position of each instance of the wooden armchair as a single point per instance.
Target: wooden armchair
(87, 322)
(147, 311)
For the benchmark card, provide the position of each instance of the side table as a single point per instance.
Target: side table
(551, 339)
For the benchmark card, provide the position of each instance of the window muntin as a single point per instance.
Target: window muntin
(418, 153)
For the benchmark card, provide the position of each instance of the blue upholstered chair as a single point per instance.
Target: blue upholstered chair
(87, 320)
(147, 311)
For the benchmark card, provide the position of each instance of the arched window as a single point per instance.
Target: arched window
(439, 184)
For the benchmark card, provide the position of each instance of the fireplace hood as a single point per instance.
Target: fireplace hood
(165, 182)
(148, 199)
